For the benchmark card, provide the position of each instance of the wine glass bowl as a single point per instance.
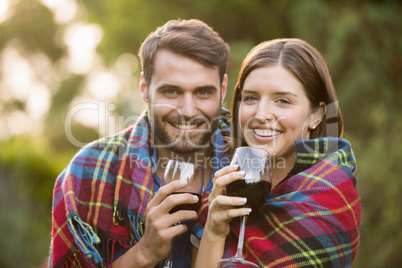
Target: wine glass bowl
(192, 174)
(255, 186)
(257, 180)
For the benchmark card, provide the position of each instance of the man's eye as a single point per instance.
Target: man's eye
(170, 91)
(203, 92)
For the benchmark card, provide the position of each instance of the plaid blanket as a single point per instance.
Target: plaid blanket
(101, 197)
(312, 218)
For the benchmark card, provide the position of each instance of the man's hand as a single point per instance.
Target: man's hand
(160, 227)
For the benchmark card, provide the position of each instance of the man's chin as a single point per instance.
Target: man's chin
(185, 147)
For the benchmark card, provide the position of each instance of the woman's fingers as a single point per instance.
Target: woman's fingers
(225, 170)
(229, 214)
(223, 200)
(227, 207)
(222, 178)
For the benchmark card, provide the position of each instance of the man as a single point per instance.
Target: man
(108, 204)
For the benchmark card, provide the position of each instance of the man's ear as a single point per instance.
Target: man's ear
(224, 87)
(143, 88)
(318, 115)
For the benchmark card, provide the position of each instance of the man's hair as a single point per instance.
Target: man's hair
(190, 38)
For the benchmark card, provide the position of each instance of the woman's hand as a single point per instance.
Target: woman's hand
(222, 208)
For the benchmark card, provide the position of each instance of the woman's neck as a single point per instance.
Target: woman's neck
(280, 169)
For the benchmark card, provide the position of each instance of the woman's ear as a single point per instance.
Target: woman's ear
(318, 115)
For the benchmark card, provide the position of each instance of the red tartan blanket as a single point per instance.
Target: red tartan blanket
(312, 218)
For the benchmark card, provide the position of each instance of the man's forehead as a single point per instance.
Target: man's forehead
(182, 72)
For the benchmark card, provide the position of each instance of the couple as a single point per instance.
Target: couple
(109, 208)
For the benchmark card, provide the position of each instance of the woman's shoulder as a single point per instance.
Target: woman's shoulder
(320, 163)
(327, 151)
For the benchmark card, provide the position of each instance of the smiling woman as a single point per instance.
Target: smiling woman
(311, 217)
(275, 111)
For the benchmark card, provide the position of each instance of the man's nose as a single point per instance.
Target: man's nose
(189, 106)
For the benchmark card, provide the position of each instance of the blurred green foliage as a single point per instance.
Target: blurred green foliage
(360, 40)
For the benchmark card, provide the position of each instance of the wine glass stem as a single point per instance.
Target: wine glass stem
(169, 260)
(239, 252)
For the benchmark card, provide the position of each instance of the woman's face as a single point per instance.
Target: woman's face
(274, 111)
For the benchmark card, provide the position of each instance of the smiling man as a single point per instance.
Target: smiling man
(184, 102)
(108, 204)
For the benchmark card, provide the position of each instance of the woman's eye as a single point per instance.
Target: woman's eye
(284, 101)
(250, 98)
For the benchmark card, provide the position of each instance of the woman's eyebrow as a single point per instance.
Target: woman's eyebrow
(280, 93)
(248, 91)
(286, 93)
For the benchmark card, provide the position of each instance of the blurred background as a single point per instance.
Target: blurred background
(69, 74)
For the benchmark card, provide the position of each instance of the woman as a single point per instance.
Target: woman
(284, 102)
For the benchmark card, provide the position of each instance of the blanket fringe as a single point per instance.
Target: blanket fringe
(132, 222)
(85, 238)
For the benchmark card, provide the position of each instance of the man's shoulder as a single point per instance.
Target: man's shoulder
(105, 150)
(111, 144)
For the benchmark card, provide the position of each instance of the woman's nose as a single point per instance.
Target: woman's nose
(265, 112)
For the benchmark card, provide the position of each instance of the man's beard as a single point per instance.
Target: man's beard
(186, 143)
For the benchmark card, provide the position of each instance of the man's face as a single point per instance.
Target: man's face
(184, 100)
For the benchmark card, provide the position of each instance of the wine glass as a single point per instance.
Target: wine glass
(194, 175)
(255, 186)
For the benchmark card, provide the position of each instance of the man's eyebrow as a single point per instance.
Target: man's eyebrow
(169, 86)
(207, 87)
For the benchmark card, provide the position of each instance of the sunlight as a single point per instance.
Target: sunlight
(17, 123)
(104, 85)
(4, 10)
(64, 10)
(82, 40)
(22, 82)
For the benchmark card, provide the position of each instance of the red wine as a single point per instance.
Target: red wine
(187, 206)
(254, 191)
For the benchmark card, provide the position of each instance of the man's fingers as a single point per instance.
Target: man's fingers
(174, 231)
(174, 200)
(171, 201)
(166, 190)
